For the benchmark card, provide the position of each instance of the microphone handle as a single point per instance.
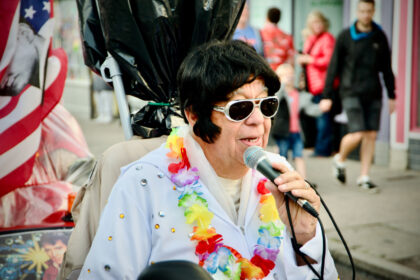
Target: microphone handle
(268, 171)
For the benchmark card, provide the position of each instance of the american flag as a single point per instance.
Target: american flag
(32, 77)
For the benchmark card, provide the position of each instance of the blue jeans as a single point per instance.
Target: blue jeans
(323, 143)
(292, 142)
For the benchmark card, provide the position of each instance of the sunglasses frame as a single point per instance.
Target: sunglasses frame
(225, 109)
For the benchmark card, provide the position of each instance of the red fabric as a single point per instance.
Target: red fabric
(21, 129)
(17, 177)
(7, 13)
(278, 46)
(24, 105)
(46, 191)
(12, 104)
(54, 92)
(321, 50)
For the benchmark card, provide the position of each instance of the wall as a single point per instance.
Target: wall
(402, 63)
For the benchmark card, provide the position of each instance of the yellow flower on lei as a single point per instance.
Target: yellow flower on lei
(174, 143)
(200, 214)
(203, 233)
(268, 211)
(250, 270)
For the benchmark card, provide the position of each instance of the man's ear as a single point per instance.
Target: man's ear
(191, 117)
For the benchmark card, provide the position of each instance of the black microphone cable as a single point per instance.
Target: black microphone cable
(296, 246)
(313, 186)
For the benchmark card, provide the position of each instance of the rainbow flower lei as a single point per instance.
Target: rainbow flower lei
(220, 260)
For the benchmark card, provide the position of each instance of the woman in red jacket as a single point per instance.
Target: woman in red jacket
(317, 52)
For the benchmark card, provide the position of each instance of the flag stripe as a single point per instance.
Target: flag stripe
(30, 100)
(21, 116)
(17, 132)
(9, 19)
(9, 107)
(20, 130)
(55, 80)
(17, 177)
(30, 121)
(14, 157)
(2, 72)
(4, 100)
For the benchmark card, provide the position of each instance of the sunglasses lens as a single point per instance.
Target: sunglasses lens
(241, 110)
(269, 107)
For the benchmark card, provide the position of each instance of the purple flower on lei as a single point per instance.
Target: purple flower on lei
(265, 253)
(185, 177)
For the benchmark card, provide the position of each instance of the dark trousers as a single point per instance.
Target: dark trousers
(323, 142)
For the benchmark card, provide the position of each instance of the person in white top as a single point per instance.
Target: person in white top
(178, 202)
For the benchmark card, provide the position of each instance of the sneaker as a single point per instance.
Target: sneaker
(339, 169)
(365, 183)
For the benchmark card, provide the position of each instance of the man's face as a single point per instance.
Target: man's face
(287, 76)
(365, 12)
(55, 251)
(244, 16)
(226, 153)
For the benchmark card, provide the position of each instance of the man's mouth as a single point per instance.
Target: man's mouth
(251, 140)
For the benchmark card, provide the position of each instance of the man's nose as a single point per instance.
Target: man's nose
(256, 115)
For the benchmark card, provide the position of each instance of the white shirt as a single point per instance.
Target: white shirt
(233, 189)
(142, 224)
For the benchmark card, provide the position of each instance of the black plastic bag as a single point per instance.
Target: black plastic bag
(149, 39)
(93, 41)
(153, 120)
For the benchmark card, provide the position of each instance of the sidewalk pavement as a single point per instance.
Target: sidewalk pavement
(382, 230)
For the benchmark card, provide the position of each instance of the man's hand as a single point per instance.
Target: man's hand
(304, 223)
(391, 103)
(305, 59)
(325, 105)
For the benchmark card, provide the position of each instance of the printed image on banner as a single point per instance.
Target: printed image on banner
(32, 255)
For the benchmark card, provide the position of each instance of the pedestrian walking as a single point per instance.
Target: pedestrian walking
(317, 51)
(278, 45)
(360, 53)
(247, 33)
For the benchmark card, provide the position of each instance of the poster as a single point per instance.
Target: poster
(32, 254)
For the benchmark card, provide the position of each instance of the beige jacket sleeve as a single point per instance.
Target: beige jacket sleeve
(93, 196)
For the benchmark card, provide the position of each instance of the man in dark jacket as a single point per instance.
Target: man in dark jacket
(360, 53)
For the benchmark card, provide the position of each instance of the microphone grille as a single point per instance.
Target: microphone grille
(252, 155)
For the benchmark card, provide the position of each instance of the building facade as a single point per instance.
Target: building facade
(398, 142)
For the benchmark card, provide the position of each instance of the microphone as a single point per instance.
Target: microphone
(255, 158)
